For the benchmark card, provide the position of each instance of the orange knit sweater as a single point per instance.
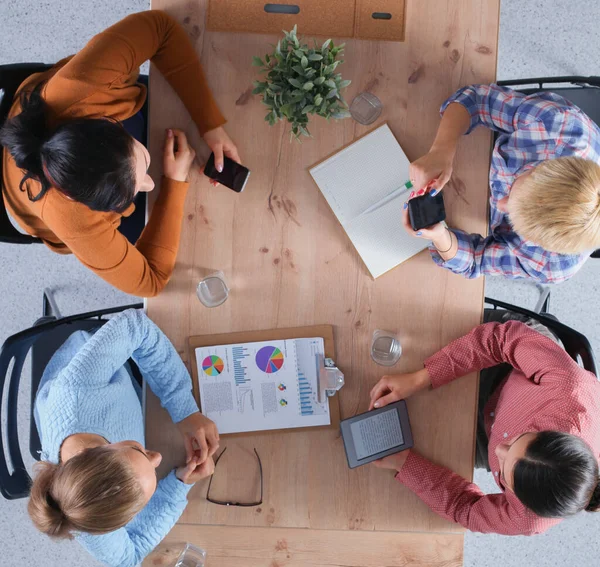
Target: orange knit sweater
(100, 82)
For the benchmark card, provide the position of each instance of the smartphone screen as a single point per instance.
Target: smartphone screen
(233, 175)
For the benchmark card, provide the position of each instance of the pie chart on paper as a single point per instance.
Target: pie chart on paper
(212, 365)
(269, 359)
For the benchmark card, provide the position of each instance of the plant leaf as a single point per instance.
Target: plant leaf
(330, 83)
(257, 62)
(299, 53)
(319, 80)
(315, 57)
(304, 62)
(331, 94)
(308, 86)
(299, 69)
(295, 83)
(318, 100)
(308, 108)
(325, 45)
(339, 115)
(344, 84)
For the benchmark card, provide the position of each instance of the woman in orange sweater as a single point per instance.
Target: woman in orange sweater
(71, 171)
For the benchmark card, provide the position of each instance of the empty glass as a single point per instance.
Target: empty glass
(191, 556)
(212, 291)
(365, 108)
(385, 348)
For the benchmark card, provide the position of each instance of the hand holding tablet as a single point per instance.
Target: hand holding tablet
(376, 434)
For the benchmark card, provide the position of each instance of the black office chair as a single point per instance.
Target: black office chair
(577, 345)
(584, 92)
(11, 77)
(54, 330)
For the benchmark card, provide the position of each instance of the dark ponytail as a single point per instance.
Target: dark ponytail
(89, 160)
(558, 476)
(594, 503)
(24, 136)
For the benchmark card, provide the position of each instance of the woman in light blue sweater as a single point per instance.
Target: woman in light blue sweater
(96, 481)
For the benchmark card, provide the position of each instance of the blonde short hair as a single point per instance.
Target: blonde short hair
(96, 492)
(558, 205)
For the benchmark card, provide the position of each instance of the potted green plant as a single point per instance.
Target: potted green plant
(300, 81)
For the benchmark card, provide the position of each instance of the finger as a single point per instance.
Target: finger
(418, 177)
(232, 153)
(385, 400)
(218, 151)
(189, 449)
(213, 445)
(203, 446)
(381, 391)
(378, 463)
(406, 223)
(182, 143)
(382, 381)
(170, 143)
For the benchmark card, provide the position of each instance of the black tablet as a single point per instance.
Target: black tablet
(376, 434)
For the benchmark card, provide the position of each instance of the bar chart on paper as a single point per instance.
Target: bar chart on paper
(261, 386)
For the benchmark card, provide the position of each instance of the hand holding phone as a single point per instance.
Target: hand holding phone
(426, 211)
(234, 175)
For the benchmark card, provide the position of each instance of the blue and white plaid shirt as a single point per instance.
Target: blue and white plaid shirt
(531, 129)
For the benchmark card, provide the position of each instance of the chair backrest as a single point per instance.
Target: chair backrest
(11, 77)
(14, 478)
(577, 345)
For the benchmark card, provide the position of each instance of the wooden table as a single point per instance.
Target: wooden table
(289, 263)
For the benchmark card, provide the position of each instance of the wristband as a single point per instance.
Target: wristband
(451, 243)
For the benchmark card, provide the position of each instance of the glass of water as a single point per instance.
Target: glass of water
(385, 348)
(212, 291)
(191, 556)
(365, 108)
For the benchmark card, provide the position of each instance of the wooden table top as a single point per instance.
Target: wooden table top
(289, 263)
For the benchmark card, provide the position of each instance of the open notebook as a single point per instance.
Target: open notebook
(366, 185)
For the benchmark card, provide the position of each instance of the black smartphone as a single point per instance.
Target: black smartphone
(426, 210)
(234, 175)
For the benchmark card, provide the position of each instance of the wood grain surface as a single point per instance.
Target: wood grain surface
(285, 547)
(289, 263)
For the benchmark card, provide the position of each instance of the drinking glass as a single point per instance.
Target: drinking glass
(365, 108)
(385, 348)
(212, 291)
(191, 556)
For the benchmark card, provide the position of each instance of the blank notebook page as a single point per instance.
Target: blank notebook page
(359, 177)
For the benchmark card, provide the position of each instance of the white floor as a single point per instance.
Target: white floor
(537, 38)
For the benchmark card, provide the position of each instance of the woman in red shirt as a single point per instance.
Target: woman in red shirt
(542, 424)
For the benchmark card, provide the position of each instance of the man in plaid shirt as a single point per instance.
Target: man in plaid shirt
(544, 181)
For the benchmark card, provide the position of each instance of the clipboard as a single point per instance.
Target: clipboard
(324, 331)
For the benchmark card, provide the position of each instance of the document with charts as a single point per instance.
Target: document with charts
(366, 185)
(262, 385)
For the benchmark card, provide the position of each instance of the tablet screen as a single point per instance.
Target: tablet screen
(376, 433)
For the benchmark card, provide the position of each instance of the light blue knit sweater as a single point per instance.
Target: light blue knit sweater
(86, 389)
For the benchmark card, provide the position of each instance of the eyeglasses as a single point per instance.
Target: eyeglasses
(226, 503)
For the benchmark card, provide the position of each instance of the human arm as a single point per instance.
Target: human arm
(131, 334)
(533, 355)
(456, 499)
(473, 255)
(101, 78)
(488, 105)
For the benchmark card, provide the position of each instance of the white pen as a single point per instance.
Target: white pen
(388, 198)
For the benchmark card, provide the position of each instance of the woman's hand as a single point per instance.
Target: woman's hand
(195, 471)
(433, 170)
(200, 436)
(398, 387)
(178, 155)
(442, 239)
(220, 144)
(393, 462)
